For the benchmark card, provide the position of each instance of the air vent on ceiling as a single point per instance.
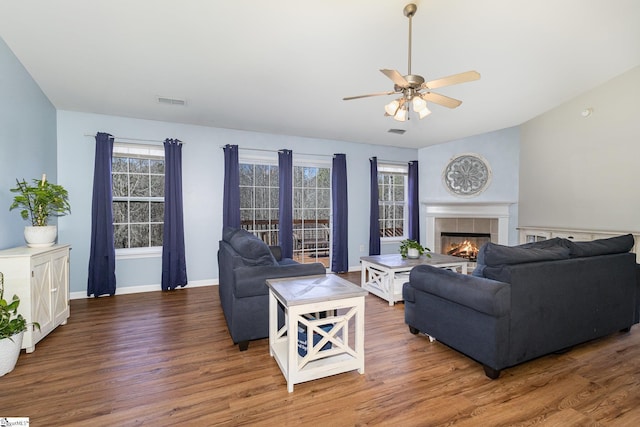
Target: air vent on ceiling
(171, 101)
(397, 131)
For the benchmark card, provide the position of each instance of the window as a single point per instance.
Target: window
(312, 213)
(138, 195)
(259, 213)
(259, 200)
(392, 193)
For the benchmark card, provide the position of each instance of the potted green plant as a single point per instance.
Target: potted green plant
(12, 327)
(39, 202)
(413, 249)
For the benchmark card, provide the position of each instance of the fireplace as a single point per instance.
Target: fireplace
(466, 218)
(491, 218)
(464, 244)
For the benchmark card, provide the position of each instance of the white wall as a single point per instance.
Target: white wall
(500, 149)
(582, 172)
(202, 187)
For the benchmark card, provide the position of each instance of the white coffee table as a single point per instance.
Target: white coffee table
(384, 275)
(303, 299)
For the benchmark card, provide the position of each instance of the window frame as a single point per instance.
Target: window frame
(395, 169)
(306, 162)
(259, 161)
(144, 151)
(299, 161)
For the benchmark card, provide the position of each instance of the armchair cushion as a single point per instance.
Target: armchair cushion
(253, 250)
(277, 252)
(251, 281)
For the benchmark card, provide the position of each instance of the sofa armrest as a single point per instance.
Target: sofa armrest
(484, 295)
(251, 281)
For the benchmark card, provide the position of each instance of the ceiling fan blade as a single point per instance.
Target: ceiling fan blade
(368, 95)
(452, 80)
(396, 77)
(441, 99)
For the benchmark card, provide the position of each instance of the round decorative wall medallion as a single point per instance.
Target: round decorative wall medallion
(467, 175)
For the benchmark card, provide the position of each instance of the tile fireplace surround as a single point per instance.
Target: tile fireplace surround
(490, 218)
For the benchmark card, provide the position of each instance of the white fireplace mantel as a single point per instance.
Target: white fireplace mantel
(498, 210)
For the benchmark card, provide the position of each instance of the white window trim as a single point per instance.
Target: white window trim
(258, 160)
(401, 169)
(308, 161)
(388, 168)
(136, 253)
(128, 149)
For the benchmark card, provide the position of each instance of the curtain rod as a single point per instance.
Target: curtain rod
(134, 139)
(277, 151)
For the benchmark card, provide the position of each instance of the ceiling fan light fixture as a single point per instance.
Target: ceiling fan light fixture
(402, 114)
(418, 103)
(424, 112)
(409, 86)
(392, 107)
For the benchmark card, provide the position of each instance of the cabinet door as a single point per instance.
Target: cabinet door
(530, 236)
(41, 294)
(59, 288)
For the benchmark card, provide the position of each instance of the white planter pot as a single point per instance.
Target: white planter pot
(413, 253)
(9, 352)
(40, 237)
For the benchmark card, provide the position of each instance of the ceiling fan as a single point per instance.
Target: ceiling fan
(414, 89)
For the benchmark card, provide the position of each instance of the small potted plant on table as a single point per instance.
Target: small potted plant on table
(410, 248)
(38, 202)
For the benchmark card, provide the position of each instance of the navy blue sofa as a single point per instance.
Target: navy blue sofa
(527, 301)
(244, 264)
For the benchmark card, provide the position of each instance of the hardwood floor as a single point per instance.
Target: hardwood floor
(167, 359)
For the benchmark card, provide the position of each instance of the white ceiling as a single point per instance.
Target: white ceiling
(283, 66)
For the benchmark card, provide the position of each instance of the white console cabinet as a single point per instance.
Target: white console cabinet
(40, 277)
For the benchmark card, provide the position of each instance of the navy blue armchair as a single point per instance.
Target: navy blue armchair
(244, 263)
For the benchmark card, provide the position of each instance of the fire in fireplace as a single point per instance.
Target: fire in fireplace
(465, 245)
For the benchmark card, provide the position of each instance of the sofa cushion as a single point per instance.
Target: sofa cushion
(252, 250)
(544, 244)
(496, 255)
(612, 245)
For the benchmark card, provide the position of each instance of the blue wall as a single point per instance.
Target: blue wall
(35, 140)
(27, 138)
(501, 149)
(202, 186)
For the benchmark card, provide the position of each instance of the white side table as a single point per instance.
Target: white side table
(384, 275)
(303, 298)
